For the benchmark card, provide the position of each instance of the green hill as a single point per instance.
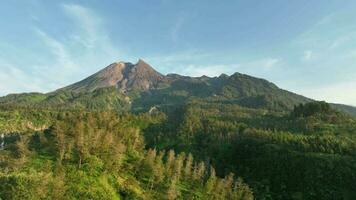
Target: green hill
(129, 132)
(138, 87)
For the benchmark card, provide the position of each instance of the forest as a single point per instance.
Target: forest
(200, 150)
(177, 100)
(102, 155)
(232, 137)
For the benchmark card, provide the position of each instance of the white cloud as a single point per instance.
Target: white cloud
(261, 65)
(308, 54)
(254, 67)
(342, 40)
(85, 50)
(207, 70)
(87, 21)
(16, 80)
(329, 48)
(352, 54)
(342, 92)
(177, 26)
(270, 62)
(58, 49)
(191, 55)
(91, 34)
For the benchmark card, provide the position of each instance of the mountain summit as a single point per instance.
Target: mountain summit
(138, 87)
(123, 75)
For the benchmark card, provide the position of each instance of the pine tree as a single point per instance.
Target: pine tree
(173, 191)
(80, 142)
(241, 191)
(199, 171)
(178, 165)
(58, 186)
(170, 162)
(60, 138)
(158, 169)
(228, 183)
(150, 166)
(22, 149)
(188, 165)
(219, 191)
(211, 182)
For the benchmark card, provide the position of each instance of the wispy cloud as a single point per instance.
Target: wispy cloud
(342, 92)
(189, 55)
(14, 79)
(58, 49)
(307, 55)
(87, 21)
(176, 28)
(188, 64)
(328, 67)
(91, 32)
(270, 62)
(208, 70)
(79, 53)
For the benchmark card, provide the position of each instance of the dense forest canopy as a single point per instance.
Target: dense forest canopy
(174, 137)
(84, 155)
(187, 152)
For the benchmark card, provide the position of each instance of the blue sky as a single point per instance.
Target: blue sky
(306, 46)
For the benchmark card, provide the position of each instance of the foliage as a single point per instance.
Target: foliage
(101, 155)
(103, 144)
(281, 156)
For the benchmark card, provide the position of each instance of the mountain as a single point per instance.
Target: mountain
(122, 75)
(125, 86)
(129, 132)
(345, 108)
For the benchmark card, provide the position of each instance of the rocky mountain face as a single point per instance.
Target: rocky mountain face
(122, 75)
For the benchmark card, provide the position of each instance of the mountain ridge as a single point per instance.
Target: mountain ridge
(126, 86)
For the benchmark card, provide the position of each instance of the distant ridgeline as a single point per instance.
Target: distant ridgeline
(129, 132)
(137, 87)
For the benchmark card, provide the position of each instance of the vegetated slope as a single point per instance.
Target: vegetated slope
(285, 146)
(306, 154)
(141, 85)
(101, 155)
(137, 87)
(345, 108)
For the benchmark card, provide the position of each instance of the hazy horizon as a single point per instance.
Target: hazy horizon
(301, 46)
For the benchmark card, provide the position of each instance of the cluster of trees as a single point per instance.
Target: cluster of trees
(14, 120)
(99, 99)
(308, 153)
(101, 155)
(281, 173)
(278, 156)
(184, 178)
(312, 108)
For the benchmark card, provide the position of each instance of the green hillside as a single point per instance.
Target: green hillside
(345, 108)
(128, 132)
(122, 87)
(101, 155)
